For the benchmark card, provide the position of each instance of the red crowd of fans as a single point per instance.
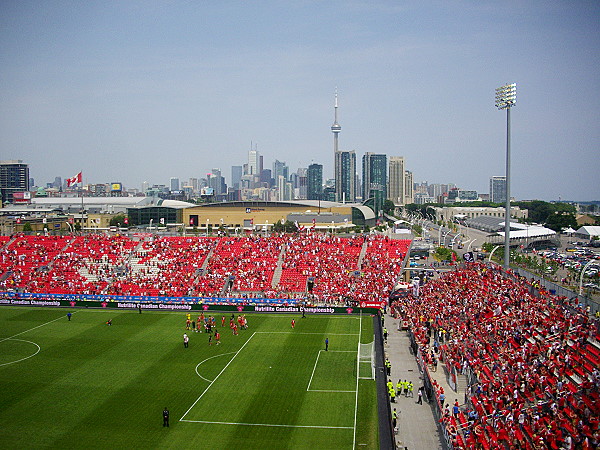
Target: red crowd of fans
(342, 269)
(534, 360)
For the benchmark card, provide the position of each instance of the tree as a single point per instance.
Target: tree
(389, 207)
(27, 227)
(117, 220)
(559, 221)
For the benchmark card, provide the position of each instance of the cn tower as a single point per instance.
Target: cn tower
(336, 127)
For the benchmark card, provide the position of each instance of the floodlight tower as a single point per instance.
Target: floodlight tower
(336, 127)
(506, 98)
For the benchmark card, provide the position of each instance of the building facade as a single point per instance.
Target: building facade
(396, 180)
(14, 177)
(345, 176)
(498, 189)
(374, 176)
(314, 182)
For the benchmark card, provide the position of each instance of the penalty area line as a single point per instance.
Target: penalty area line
(267, 425)
(217, 377)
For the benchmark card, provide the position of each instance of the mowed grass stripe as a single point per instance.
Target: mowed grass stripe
(98, 386)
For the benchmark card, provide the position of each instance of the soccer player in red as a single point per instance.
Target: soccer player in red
(223, 321)
(218, 337)
(293, 323)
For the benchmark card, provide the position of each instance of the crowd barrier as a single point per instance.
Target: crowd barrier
(220, 304)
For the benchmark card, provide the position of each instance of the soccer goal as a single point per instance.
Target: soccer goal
(366, 361)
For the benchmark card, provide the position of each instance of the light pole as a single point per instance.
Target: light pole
(506, 98)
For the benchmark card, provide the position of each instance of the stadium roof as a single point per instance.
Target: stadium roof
(314, 205)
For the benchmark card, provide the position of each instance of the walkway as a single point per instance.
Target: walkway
(417, 429)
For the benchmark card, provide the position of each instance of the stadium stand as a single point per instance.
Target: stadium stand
(532, 359)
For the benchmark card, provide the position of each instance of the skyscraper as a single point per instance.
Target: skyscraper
(345, 176)
(254, 163)
(14, 177)
(374, 176)
(315, 182)
(236, 176)
(280, 168)
(498, 189)
(174, 184)
(409, 195)
(396, 180)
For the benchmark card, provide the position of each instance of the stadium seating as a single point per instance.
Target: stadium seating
(534, 357)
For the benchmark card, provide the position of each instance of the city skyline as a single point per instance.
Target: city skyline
(142, 92)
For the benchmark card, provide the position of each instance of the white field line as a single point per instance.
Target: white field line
(22, 359)
(203, 361)
(267, 424)
(313, 371)
(299, 332)
(328, 390)
(308, 389)
(357, 374)
(31, 329)
(217, 377)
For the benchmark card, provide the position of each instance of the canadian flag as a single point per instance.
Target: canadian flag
(298, 227)
(74, 180)
(313, 225)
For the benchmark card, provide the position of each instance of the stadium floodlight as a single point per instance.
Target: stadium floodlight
(506, 98)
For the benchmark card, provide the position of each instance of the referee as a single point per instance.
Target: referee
(165, 417)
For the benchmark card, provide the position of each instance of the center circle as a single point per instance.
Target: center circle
(11, 351)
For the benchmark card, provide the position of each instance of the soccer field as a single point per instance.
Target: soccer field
(85, 384)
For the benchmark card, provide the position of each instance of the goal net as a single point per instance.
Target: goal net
(366, 361)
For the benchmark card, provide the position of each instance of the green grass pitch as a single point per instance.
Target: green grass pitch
(85, 384)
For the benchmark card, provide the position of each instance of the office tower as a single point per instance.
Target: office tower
(314, 188)
(408, 188)
(280, 168)
(193, 184)
(14, 177)
(266, 178)
(236, 176)
(498, 189)
(254, 163)
(396, 180)
(174, 183)
(345, 176)
(301, 183)
(374, 176)
(284, 189)
(217, 182)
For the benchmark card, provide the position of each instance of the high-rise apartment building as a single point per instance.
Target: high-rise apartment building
(280, 168)
(396, 180)
(314, 189)
(345, 176)
(174, 184)
(498, 189)
(409, 195)
(236, 176)
(374, 176)
(217, 182)
(14, 177)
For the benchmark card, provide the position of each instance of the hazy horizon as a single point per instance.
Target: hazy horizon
(143, 91)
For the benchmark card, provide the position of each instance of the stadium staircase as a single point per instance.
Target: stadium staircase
(279, 268)
(363, 252)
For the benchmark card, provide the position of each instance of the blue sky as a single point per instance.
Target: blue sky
(136, 91)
